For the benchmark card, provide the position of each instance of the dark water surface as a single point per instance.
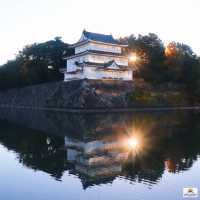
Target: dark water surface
(137, 156)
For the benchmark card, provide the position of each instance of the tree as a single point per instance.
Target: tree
(151, 52)
(183, 67)
(42, 56)
(35, 64)
(179, 59)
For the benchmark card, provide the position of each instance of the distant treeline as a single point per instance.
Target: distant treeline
(157, 64)
(36, 63)
(174, 64)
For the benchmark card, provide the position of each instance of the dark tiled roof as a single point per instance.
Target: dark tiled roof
(103, 65)
(100, 37)
(108, 64)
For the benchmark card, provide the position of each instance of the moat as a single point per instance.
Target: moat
(124, 156)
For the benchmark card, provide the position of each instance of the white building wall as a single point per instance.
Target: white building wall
(92, 73)
(107, 48)
(71, 66)
(104, 59)
(98, 47)
(69, 77)
(82, 48)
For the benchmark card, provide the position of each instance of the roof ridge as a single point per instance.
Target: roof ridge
(89, 32)
(107, 38)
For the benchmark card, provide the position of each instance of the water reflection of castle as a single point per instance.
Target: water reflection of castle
(98, 155)
(96, 158)
(101, 161)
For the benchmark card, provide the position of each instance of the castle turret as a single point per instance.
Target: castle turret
(97, 56)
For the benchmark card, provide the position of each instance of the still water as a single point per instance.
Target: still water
(137, 156)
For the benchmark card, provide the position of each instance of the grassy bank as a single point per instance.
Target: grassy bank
(147, 95)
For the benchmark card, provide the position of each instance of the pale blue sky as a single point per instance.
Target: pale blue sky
(26, 21)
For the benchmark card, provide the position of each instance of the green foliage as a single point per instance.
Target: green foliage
(176, 64)
(10, 74)
(155, 98)
(150, 49)
(142, 97)
(184, 68)
(35, 64)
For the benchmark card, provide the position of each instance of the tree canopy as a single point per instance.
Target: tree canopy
(36, 63)
(156, 63)
(175, 63)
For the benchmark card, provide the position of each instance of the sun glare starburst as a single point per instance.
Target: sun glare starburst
(133, 58)
(133, 142)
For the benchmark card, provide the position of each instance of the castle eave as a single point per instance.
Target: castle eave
(94, 52)
(97, 42)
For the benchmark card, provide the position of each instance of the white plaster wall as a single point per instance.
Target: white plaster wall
(69, 77)
(107, 48)
(82, 48)
(91, 73)
(98, 47)
(105, 59)
(71, 66)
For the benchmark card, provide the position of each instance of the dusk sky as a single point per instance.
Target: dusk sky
(27, 21)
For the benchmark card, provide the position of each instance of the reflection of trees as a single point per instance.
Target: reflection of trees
(171, 141)
(34, 149)
(174, 141)
(88, 181)
(146, 169)
(183, 148)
